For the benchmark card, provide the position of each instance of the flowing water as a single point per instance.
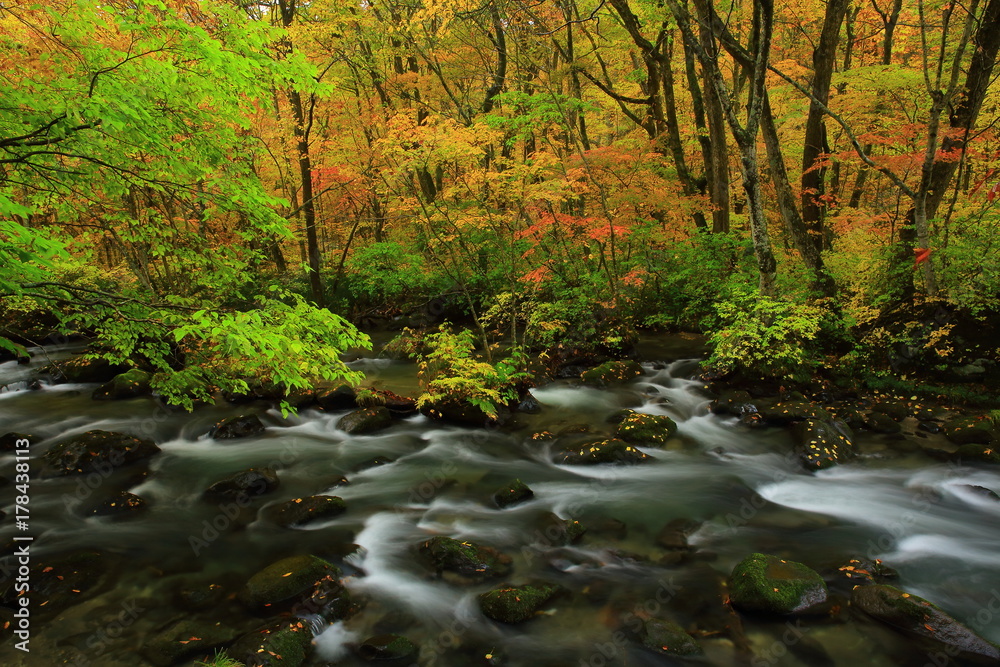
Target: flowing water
(741, 487)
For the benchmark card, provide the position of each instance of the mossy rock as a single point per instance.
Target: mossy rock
(130, 384)
(977, 453)
(643, 429)
(337, 398)
(97, 451)
(611, 372)
(462, 413)
(897, 410)
(879, 422)
(512, 493)
(387, 647)
(284, 644)
(763, 583)
(467, 559)
(284, 580)
(914, 616)
(241, 426)
(782, 413)
(187, 639)
(866, 571)
(82, 369)
(971, 431)
(514, 604)
(300, 511)
(668, 638)
(732, 402)
(605, 451)
(823, 444)
(551, 530)
(365, 420)
(244, 484)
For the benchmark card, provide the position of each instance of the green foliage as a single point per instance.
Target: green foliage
(221, 659)
(968, 264)
(386, 273)
(768, 336)
(450, 370)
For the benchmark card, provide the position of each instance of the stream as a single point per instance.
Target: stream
(739, 488)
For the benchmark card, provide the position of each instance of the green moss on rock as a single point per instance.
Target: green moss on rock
(667, 637)
(611, 372)
(822, 444)
(514, 604)
(981, 453)
(512, 493)
(639, 428)
(763, 583)
(387, 647)
(604, 451)
(130, 384)
(300, 511)
(285, 644)
(468, 559)
(284, 580)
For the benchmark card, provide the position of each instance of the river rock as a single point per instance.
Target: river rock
(866, 571)
(467, 559)
(244, 484)
(763, 583)
(879, 422)
(282, 644)
(387, 647)
(914, 616)
(643, 429)
(732, 402)
(197, 597)
(284, 580)
(605, 451)
(187, 639)
(824, 443)
(241, 426)
(611, 372)
(550, 530)
(121, 505)
(668, 638)
(674, 535)
(100, 451)
(512, 493)
(514, 604)
(897, 410)
(300, 511)
(8, 441)
(82, 369)
(58, 581)
(340, 398)
(365, 420)
(784, 412)
(529, 405)
(330, 599)
(130, 384)
(977, 453)
(463, 413)
(971, 431)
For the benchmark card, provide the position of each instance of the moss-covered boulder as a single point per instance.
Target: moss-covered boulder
(668, 638)
(897, 410)
(823, 443)
(604, 451)
(240, 426)
(120, 506)
(130, 384)
(365, 420)
(83, 369)
(284, 580)
(763, 583)
(97, 451)
(514, 604)
(550, 530)
(462, 413)
(643, 429)
(879, 422)
(971, 431)
(337, 398)
(282, 644)
(977, 453)
(611, 372)
(467, 559)
(512, 493)
(187, 639)
(784, 412)
(387, 647)
(300, 511)
(244, 484)
(916, 617)
(732, 402)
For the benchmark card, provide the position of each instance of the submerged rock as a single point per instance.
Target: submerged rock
(126, 385)
(300, 511)
(514, 604)
(667, 637)
(643, 429)
(241, 426)
(187, 639)
(914, 616)
(763, 583)
(284, 644)
(467, 559)
(611, 372)
(246, 483)
(513, 493)
(97, 451)
(605, 451)
(822, 444)
(121, 505)
(284, 580)
(365, 420)
(58, 581)
(387, 647)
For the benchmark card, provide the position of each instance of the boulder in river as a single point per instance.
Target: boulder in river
(514, 604)
(81, 368)
(466, 559)
(664, 636)
(286, 579)
(879, 422)
(916, 617)
(300, 511)
(643, 429)
(9, 441)
(97, 451)
(365, 420)
(187, 639)
(763, 583)
(604, 451)
(282, 644)
(121, 505)
(387, 647)
(512, 493)
(971, 431)
(244, 484)
(58, 581)
(784, 412)
(824, 443)
(980, 453)
(337, 398)
(732, 402)
(241, 426)
(463, 413)
(611, 372)
(130, 384)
